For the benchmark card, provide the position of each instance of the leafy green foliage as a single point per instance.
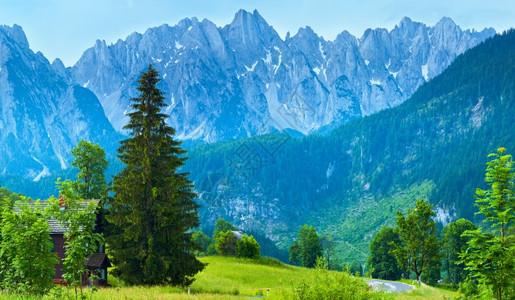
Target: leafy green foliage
(91, 162)
(490, 256)
(382, 263)
(419, 247)
(247, 247)
(225, 244)
(327, 284)
(454, 242)
(202, 241)
(153, 208)
(79, 219)
(26, 260)
(222, 226)
(307, 248)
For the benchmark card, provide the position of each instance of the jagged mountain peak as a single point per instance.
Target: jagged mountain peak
(240, 79)
(405, 21)
(46, 115)
(16, 34)
(249, 28)
(446, 22)
(306, 31)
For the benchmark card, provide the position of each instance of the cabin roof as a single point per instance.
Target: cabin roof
(55, 226)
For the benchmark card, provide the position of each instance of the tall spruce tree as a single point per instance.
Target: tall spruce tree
(153, 208)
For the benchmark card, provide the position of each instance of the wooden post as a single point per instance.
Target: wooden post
(267, 292)
(188, 289)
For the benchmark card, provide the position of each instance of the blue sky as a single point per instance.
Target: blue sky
(66, 28)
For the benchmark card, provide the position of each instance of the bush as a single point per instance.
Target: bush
(247, 247)
(333, 285)
(226, 243)
(26, 260)
(202, 241)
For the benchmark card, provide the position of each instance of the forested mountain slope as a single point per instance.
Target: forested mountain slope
(351, 182)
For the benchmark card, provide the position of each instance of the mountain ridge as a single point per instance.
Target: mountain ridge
(350, 182)
(42, 115)
(243, 79)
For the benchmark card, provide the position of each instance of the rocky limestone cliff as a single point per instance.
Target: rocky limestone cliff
(244, 80)
(42, 116)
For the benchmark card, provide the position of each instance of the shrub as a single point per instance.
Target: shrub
(226, 244)
(327, 284)
(247, 247)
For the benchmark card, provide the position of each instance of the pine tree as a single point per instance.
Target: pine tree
(153, 208)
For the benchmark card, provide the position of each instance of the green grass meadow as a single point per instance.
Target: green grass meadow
(229, 278)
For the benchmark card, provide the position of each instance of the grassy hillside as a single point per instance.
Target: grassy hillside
(232, 278)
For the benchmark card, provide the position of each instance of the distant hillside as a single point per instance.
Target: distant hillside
(351, 182)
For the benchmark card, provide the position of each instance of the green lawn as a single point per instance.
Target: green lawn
(427, 292)
(233, 278)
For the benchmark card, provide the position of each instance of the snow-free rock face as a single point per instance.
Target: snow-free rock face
(243, 79)
(41, 116)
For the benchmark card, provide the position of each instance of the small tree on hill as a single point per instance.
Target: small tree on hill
(225, 244)
(419, 247)
(382, 263)
(222, 226)
(153, 209)
(202, 241)
(328, 245)
(490, 256)
(307, 248)
(247, 247)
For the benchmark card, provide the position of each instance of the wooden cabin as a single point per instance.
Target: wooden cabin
(96, 263)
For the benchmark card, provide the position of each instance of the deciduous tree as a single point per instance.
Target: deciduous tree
(26, 260)
(419, 247)
(307, 248)
(490, 256)
(328, 245)
(382, 263)
(247, 247)
(202, 241)
(225, 243)
(453, 244)
(91, 162)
